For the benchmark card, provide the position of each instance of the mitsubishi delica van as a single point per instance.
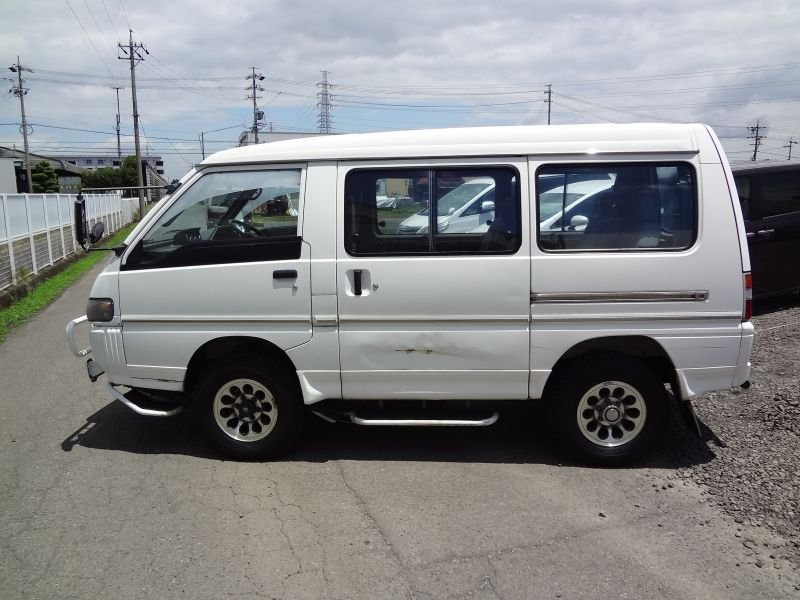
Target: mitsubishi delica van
(605, 276)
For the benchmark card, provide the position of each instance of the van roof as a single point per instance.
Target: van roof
(475, 141)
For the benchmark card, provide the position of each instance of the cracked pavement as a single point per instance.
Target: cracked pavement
(97, 502)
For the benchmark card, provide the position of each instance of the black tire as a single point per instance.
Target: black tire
(607, 409)
(247, 411)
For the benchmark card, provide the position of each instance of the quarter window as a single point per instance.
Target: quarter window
(616, 207)
(231, 216)
(432, 211)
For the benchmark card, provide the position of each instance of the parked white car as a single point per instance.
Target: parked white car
(465, 209)
(574, 207)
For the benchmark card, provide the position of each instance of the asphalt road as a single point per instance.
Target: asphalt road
(97, 502)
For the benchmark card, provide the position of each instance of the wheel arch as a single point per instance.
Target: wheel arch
(219, 348)
(641, 347)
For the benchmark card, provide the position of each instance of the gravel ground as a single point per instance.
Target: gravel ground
(749, 458)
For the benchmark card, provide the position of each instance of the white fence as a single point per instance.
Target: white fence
(36, 230)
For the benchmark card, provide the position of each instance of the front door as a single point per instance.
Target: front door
(433, 283)
(224, 260)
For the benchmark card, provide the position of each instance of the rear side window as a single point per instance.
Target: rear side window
(432, 211)
(616, 207)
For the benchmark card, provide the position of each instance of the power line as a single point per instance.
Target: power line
(88, 37)
(110, 20)
(125, 14)
(96, 24)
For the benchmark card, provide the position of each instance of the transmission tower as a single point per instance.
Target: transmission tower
(755, 135)
(254, 89)
(325, 120)
(20, 92)
(133, 53)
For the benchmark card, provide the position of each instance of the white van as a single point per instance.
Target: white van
(274, 280)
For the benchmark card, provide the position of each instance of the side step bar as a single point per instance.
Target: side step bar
(425, 422)
(128, 400)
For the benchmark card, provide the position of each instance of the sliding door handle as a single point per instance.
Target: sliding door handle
(357, 282)
(284, 274)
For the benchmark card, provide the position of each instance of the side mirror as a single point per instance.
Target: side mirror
(97, 232)
(81, 223)
(487, 206)
(451, 211)
(578, 221)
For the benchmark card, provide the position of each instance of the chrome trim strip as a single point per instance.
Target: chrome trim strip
(582, 297)
(695, 316)
(435, 319)
(216, 319)
(325, 320)
(425, 422)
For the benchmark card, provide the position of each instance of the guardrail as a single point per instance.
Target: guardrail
(36, 230)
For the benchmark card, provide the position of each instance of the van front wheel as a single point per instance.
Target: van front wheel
(608, 410)
(247, 411)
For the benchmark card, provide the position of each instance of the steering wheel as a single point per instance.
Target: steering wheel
(245, 227)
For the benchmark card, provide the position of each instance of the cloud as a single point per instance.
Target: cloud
(428, 54)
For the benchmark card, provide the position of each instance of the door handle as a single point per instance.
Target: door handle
(357, 282)
(765, 232)
(284, 274)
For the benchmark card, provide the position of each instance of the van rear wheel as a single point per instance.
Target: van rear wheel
(609, 409)
(247, 411)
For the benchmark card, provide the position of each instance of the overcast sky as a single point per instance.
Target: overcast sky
(397, 65)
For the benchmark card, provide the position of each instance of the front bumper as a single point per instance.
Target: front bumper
(93, 370)
(72, 343)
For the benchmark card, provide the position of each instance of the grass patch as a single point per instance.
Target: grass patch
(51, 288)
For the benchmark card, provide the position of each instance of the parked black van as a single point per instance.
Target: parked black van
(770, 198)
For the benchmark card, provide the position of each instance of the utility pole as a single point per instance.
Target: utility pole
(255, 89)
(133, 53)
(20, 91)
(789, 146)
(119, 147)
(756, 136)
(325, 122)
(549, 100)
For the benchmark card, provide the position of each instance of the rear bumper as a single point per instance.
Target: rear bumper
(742, 374)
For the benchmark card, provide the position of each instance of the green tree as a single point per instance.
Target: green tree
(113, 177)
(44, 178)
